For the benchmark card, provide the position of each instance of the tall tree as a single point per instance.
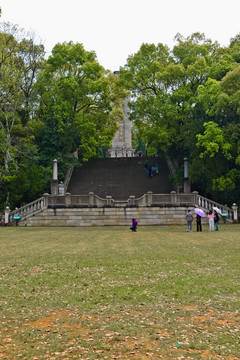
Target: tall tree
(164, 87)
(20, 60)
(221, 101)
(78, 104)
(176, 93)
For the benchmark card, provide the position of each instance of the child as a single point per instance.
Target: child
(134, 225)
(211, 220)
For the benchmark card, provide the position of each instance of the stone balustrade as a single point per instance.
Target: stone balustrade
(93, 201)
(25, 210)
(207, 204)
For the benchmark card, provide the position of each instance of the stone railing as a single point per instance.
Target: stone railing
(207, 205)
(92, 200)
(148, 199)
(22, 212)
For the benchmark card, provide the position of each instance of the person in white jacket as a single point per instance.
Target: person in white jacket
(211, 220)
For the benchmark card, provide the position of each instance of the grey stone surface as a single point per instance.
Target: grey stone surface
(108, 217)
(122, 142)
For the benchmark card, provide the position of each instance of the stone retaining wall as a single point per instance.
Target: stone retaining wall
(108, 216)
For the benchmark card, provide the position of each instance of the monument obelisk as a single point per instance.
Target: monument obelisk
(122, 142)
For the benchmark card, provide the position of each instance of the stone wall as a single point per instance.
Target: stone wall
(108, 216)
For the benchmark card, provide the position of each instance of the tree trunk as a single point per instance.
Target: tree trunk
(171, 166)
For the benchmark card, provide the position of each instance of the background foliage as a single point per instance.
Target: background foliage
(185, 101)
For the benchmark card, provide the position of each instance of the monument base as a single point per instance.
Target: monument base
(118, 153)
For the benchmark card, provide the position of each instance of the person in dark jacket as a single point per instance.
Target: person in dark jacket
(134, 225)
(216, 219)
(199, 223)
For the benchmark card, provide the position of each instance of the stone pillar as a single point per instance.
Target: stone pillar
(7, 212)
(61, 188)
(173, 197)
(131, 200)
(46, 195)
(186, 183)
(195, 198)
(149, 198)
(54, 187)
(109, 200)
(91, 199)
(235, 212)
(68, 199)
(55, 170)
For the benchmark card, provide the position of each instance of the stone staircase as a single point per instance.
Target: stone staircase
(120, 178)
(110, 191)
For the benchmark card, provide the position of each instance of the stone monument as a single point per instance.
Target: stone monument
(122, 142)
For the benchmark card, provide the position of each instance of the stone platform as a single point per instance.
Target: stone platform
(108, 216)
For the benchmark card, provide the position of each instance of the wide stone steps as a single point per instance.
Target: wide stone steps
(120, 178)
(108, 216)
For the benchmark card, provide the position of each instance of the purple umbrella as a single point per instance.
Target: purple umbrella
(217, 210)
(200, 212)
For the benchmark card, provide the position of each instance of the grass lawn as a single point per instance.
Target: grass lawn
(108, 293)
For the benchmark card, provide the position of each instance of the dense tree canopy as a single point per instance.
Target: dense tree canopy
(77, 103)
(66, 107)
(20, 63)
(185, 101)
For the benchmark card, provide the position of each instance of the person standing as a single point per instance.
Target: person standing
(211, 220)
(189, 218)
(216, 219)
(199, 223)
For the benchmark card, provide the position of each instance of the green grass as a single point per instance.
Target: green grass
(108, 293)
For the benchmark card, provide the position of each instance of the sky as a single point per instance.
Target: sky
(116, 29)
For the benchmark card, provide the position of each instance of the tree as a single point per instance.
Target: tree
(19, 64)
(163, 84)
(178, 95)
(221, 100)
(213, 141)
(79, 104)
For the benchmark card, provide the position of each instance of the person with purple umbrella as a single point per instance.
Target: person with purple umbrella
(199, 222)
(200, 213)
